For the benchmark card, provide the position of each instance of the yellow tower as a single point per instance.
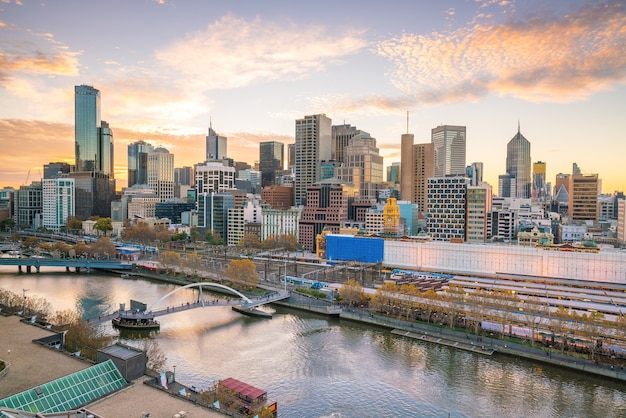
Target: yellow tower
(391, 214)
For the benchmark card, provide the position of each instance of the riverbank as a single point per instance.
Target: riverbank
(433, 334)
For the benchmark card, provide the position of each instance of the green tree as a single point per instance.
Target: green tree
(213, 238)
(242, 272)
(103, 225)
(7, 225)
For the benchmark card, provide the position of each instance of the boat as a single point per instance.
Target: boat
(136, 320)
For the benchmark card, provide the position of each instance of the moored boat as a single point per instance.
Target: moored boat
(136, 324)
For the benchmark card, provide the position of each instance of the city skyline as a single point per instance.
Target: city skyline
(171, 68)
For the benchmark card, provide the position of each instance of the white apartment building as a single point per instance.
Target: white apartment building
(214, 177)
(161, 173)
(142, 207)
(375, 220)
(58, 198)
(280, 222)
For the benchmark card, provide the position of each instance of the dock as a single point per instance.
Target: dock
(436, 339)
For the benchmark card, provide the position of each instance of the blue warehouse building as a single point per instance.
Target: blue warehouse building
(351, 248)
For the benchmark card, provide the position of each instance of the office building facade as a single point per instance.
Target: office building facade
(161, 173)
(138, 162)
(518, 165)
(447, 198)
(450, 148)
(271, 161)
(216, 146)
(583, 197)
(57, 202)
(313, 145)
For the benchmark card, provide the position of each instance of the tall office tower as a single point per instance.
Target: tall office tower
(138, 162)
(507, 185)
(214, 177)
(57, 201)
(342, 134)
(93, 137)
(475, 173)
(478, 207)
(213, 213)
(393, 173)
(271, 161)
(362, 166)
(215, 145)
(583, 197)
(280, 222)
(447, 200)
(561, 180)
(417, 166)
(54, 170)
(94, 191)
(313, 145)
(161, 173)
(449, 141)
(540, 189)
(326, 207)
(183, 176)
(291, 157)
(518, 164)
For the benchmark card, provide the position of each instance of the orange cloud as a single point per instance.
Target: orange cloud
(30, 53)
(540, 59)
(233, 52)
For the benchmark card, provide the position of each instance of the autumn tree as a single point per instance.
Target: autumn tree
(80, 249)
(74, 224)
(156, 356)
(103, 248)
(103, 225)
(79, 335)
(249, 241)
(140, 233)
(385, 298)
(592, 328)
(193, 263)
(352, 293)
(30, 242)
(243, 272)
(170, 260)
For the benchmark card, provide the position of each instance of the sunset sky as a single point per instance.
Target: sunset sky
(165, 68)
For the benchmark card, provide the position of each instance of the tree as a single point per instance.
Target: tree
(242, 272)
(352, 293)
(194, 234)
(592, 327)
(63, 319)
(74, 224)
(80, 249)
(170, 260)
(213, 238)
(7, 225)
(156, 356)
(249, 241)
(30, 242)
(139, 233)
(79, 336)
(103, 225)
(103, 248)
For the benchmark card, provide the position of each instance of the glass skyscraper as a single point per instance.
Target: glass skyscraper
(216, 146)
(270, 161)
(518, 165)
(93, 137)
(138, 162)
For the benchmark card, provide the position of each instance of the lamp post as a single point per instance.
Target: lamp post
(24, 302)
(174, 373)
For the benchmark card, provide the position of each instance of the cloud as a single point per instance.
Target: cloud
(233, 52)
(29, 53)
(552, 59)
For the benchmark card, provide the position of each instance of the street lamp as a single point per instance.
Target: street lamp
(174, 373)
(24, 302)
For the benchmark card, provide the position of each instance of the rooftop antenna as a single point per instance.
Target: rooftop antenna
(518, 126)
(210, 123)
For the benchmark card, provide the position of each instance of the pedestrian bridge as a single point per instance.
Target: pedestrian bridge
(156, 309)
(75, 263)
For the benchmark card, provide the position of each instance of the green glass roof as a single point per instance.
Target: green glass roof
(69, 392)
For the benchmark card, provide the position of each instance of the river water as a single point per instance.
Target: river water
(320, 367)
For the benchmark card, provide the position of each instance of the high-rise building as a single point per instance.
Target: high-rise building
(478, 208)
(621, 221)
(93, 137)
(271, 161)
(341, 136)
(214, 177)
(161, 173)
(213, 213)
(475, 173)
(362, 166)
(94, 191)
(54, 170)
(28, 206)
(417, 166)
(327, 207)
(450, 144)
(518, 165)
(215, 145)
(313, 145)
(393, 173)
(447, 197)
(57, 201)
(291, 157)
(540, 189)
(138, 162)
(583, 197)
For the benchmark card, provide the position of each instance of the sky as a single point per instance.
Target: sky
(166, 69)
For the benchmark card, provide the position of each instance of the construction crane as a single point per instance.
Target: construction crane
(27, 177)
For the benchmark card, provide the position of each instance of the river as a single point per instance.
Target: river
(320, 367)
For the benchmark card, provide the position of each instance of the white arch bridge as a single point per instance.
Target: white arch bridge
(244, 303)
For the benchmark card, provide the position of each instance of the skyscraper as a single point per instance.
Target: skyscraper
(93, 137)
(58, 202)
(313, 145)
(215, 145)
(583, 197)
(362, 166)
(417, 166)
(138, 162)
(447, 208)
(161, 173)
(342, 134)
(518, 164)
(540, 189)
(449, 141)
(271, 160)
